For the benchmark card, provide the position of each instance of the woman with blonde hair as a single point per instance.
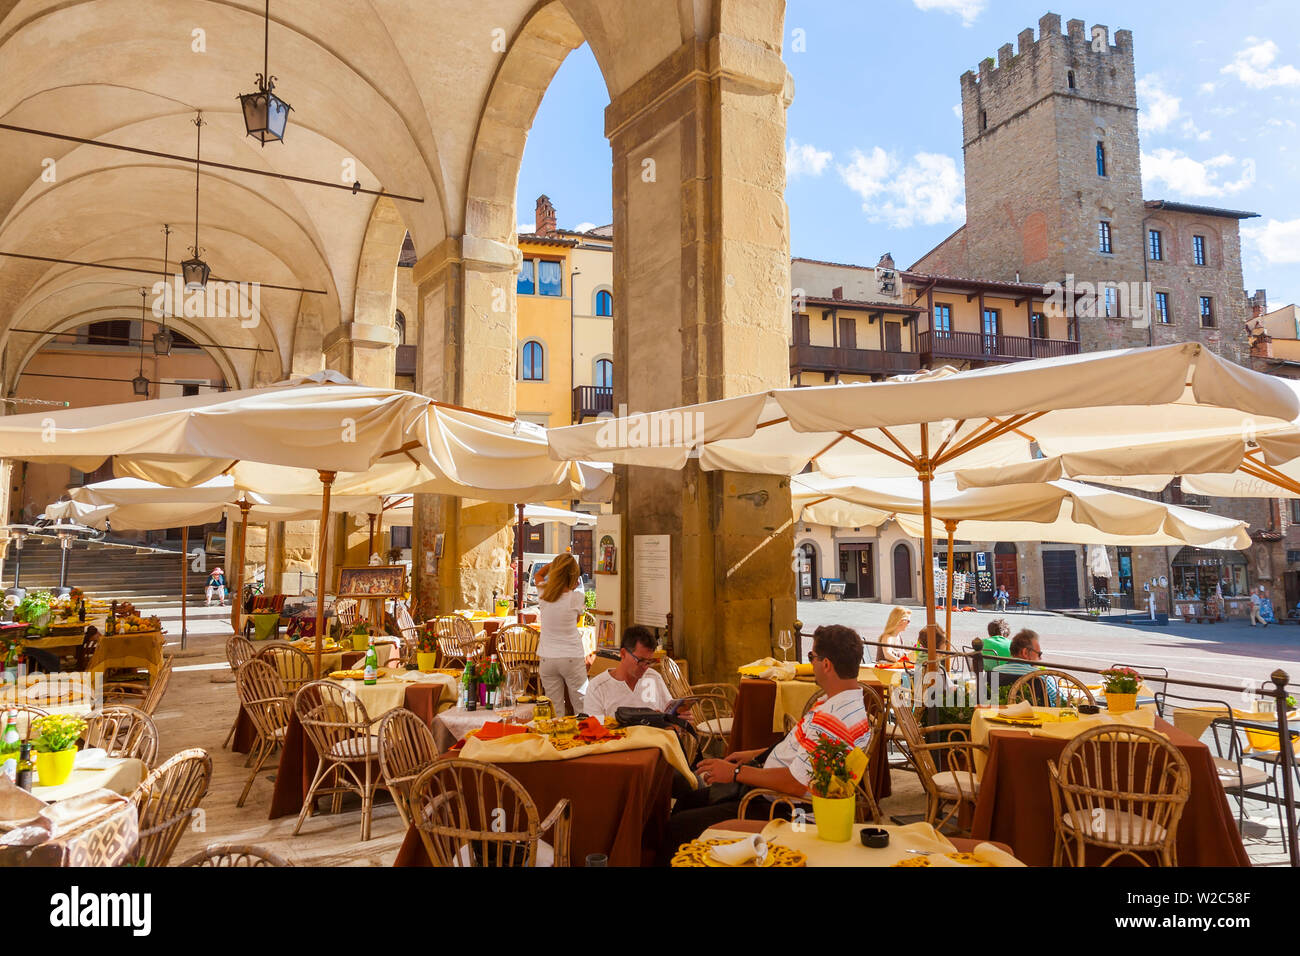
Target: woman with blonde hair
(560, 652)
(891, 638)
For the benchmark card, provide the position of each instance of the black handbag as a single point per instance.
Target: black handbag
(649, 717)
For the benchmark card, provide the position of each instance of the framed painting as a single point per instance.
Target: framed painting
(378, 581)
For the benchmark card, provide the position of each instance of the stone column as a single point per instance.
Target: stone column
(701, 263)
(467, 358)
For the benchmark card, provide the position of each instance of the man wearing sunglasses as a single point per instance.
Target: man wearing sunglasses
(633, 683)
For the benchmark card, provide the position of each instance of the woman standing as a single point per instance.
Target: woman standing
(560, 651)
(891, 638)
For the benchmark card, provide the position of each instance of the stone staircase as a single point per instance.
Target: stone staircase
(149, 579)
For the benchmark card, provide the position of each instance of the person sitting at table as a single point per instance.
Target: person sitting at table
(836, 656)
(1027, 652)
(217, 586)
(891, 638)
(997, 644)
(560, 651)
(633, 683)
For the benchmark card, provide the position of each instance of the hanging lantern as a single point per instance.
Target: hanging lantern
(265, 114)
(162, 342)
(140, 385)
(195, 271)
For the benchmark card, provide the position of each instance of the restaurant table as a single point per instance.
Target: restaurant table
(751, 727)
(99, 828)
(129, 652)
(298, 758)
(915, 836)
(619, 801)
(981, 725)
(118, 775)
(453, 723)
(246, 733)
(1015, 801)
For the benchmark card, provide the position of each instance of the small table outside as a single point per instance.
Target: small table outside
(454, 723)
(118, 774)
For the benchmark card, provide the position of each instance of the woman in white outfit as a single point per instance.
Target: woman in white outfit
(560, 651)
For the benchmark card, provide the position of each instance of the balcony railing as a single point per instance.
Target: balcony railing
(591, 400)
(991, 348)
(825, 358)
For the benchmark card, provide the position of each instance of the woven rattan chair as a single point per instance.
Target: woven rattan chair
(1048, 688)
(86, 650)
(337, 724)
(235, 855)
(406, 750)
(122, 731)
(266, 700)
(517, 647)
(408, 632)
(947, 790)
(347, 612)
(586, 619)
(295, 667)
(457, 641)
(144, 697)
(165, 801)
(1120, 788)
(713, 714)
(239, 651)
(471, 813)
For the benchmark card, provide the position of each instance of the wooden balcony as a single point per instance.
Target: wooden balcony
(591, 400)
(977, 346)
(825, 358)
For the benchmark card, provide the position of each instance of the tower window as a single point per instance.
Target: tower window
(984, 120)
(1207, 312)
(1155, 246)
(1103, 236)
(1101, 158)
(1069, 78)
(1198, 250)
(1162, 307)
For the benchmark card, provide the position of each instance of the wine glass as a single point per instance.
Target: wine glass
(785, 641)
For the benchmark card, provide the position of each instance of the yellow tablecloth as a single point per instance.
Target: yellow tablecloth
(889, 676)
(915, 836)
(55, 642)
(1263, 740)
(122, 775)
(129, 651)
(792, 695)
(526, 748)
(387, 693)
(1053, 727)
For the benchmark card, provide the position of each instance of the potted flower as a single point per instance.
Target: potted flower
(360, 636)
(832, 788)
(34, 608)
(426, 649)
(1122, 685)
(56, 746)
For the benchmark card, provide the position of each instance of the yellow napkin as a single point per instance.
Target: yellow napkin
(803, 670)
(759, 667)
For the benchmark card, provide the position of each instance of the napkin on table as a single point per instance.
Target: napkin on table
(751, 847)
(592, 728)
(1019, 709)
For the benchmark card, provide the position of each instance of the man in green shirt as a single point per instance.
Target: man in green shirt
(998, 643)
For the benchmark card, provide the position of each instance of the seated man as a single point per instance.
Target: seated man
(997, 644)
(787, 767)
(633, 683)
(1026, 651)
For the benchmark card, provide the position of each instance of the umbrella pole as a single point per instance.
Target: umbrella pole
(185, 568)
(519, 564)
(950, 527)
(237, 596)
(326, 480)
(925, 475)
(372, 538)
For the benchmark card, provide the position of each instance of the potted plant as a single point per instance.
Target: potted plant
(360, 636)
(832, 788)
(35, 609)
(56, 746)
(426, 649)
(1122, 685)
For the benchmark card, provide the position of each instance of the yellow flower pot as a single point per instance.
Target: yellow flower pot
(1121, 703)
(834, 818)
(426, 661)
(54, 768)
(502, 607)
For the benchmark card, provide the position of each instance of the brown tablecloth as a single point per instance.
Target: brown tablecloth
(298, 757)
(620, 805)
(246, 733)
(1015, 801)
(751, 729)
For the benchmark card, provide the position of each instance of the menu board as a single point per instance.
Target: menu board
(651, 579)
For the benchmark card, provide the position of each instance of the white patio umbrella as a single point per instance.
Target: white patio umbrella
(940, 421)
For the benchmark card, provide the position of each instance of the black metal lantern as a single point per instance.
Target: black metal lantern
(194, 269)
(265, 114)
(140, 384)
(162, 342)
(162, 339)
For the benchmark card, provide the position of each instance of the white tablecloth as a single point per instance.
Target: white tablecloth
(455, 722)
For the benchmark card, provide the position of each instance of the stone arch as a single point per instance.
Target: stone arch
(373, 300)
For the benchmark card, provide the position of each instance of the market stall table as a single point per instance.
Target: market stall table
(142, 649)
(1015, 802)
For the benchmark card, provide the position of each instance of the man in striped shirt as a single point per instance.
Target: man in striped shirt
(787, 767)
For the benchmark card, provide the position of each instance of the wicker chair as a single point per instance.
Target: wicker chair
(264, 697)
(165, 801)
(337, 725)
(235, 855)
(408, 632)
(295, 667)
(145, 697)
(587, 619)
(471, 813)
(456, 639)
(86, 650)
(713, 714)
(1122, 789)
(956, 785)
(123, 732)
(1047, 688)
(347, 612)
(239, 651)
(517, 648)
(406, 750)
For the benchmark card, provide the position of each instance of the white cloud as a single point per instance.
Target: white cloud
(1192, 131)
(968, 10)
(804, 159)
(526, 227)
(584, 227)
(1158, 108)
(1276, 241)
(1193, 178)
(1253, 65)
(956, 110)
(927, 189)
(1207, 88)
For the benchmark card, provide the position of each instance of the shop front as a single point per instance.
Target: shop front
(1210, 584)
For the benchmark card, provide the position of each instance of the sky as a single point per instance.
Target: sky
(873, 148)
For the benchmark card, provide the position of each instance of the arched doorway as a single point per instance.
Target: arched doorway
(809, 583)
(903, 589)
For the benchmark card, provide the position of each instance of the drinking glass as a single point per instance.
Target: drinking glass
(1069, 708)
(785, 641)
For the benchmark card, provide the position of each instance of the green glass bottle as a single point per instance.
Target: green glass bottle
(372, 664)
(10, 747)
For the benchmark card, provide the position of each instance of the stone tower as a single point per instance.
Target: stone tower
(1050, 137)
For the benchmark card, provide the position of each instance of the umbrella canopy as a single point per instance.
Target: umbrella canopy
(398, 510)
